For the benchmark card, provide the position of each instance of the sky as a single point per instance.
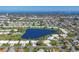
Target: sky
(38, 8)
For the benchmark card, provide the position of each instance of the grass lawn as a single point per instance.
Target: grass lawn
(26, 49)
(17, 45)
(44, 48)
(53, 42)
(6, 44)
(28, 44)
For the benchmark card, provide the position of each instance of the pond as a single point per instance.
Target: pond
(37, 33)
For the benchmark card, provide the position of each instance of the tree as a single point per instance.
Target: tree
(53, 42)
(61, 20)
(40, 43)
(71, 34)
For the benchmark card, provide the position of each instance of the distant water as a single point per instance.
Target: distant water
(40, 9)
(29, 12)
(37, 33)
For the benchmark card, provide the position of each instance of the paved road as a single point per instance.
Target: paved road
(11, 49)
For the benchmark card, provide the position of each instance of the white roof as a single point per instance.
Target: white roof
(22, 42)
(40, 50)
(34, 41)
(33, 44)
(48, 44)
(63, 30)
(15, 42)
(46, 41)
(50, 38)
(64, 35)
(3, 41)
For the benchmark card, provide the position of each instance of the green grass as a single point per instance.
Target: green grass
(61, 20)
(44, 48)
(61, 43)
(71, 34)
(17, 45)
(28, 44)
(13, 36)
(26, 49)
(37, 48)
(6, 45)
(53, 42)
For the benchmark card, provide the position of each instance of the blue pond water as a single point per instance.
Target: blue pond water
(37, 33)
